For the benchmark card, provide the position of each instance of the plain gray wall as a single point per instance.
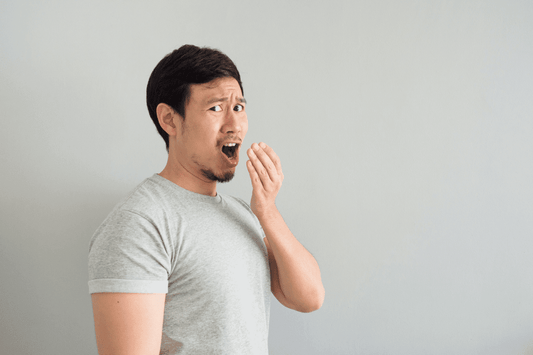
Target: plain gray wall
(405, 133)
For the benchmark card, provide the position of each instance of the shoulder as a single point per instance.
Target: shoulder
(148, 194)
(237, 203)
(242, 208)
(149, 199)
(145, 207)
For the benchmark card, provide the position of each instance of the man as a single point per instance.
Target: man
(177, 268)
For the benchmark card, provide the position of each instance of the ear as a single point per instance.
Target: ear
(167, 118)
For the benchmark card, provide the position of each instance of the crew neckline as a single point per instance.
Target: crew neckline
(173, 186)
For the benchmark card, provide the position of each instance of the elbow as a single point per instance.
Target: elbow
(314, 302)
(309, 308)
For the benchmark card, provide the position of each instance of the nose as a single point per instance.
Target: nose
(233, 122)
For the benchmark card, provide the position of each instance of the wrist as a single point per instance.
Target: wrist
(266, 213)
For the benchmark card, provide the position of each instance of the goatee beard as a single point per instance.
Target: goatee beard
(224, 178)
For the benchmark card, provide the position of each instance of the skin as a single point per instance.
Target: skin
(216, 112)
(127, 323)
(295, 275)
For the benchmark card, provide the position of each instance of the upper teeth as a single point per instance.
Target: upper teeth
(230, 144)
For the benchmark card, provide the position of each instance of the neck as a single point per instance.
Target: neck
(178, 174)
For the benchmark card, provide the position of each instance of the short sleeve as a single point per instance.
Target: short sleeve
(128, 254)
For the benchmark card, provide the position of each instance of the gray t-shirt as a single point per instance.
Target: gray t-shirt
(207, 253)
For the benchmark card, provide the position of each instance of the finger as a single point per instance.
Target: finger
(258, 167)
(254, 177)
(273, 156)
(266, 161)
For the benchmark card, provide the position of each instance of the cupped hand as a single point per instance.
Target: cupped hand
(265, 172)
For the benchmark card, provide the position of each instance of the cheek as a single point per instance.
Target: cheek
(199, 138)
(244, 126)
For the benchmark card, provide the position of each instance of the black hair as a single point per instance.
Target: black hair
(170, 80)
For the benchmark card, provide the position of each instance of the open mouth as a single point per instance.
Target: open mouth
(230, 149)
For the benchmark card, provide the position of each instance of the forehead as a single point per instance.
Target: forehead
(227, 88)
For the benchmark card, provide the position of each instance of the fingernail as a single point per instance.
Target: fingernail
(255, 146)
(262, 145)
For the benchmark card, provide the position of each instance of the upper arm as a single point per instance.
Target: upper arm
(275, 286)
(128, 323)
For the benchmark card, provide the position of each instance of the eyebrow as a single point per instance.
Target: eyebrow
(223, 99)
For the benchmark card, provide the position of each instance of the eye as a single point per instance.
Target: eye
(238, 108)
(216, 108)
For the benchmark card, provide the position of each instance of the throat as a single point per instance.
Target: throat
(229, 151)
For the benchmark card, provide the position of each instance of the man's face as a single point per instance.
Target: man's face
(213, 130)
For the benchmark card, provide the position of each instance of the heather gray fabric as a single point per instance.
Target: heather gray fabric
(206, 252)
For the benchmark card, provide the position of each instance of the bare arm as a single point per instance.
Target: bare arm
(296, 280)
(128, 323)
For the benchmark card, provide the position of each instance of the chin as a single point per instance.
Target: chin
(220, 177)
